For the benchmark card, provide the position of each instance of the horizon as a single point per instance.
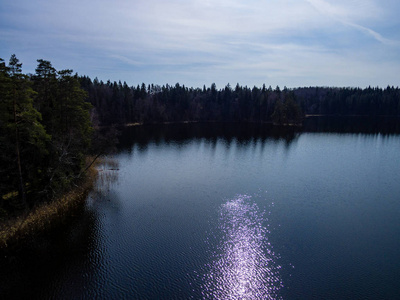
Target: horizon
(309, 43)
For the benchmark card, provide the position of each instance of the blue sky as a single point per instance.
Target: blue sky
(194, 42)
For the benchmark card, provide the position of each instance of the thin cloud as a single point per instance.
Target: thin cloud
(196, 42)
(374, 34)
(343, 14)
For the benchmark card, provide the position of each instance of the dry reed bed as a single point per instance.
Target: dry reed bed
(47, 215)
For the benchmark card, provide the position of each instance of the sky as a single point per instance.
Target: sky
(292, 43)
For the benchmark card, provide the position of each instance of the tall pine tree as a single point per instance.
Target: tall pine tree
(25, 139)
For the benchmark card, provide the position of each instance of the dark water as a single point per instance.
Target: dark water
(224, 211)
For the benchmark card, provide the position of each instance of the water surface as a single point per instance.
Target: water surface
(229, 212)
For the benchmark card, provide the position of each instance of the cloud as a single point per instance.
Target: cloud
(346, 11)
(285, 42)
(375, 35)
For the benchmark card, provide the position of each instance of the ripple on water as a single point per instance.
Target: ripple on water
(243, 264)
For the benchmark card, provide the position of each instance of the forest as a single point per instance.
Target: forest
(117, 103)
(51, 121)
(45, 134)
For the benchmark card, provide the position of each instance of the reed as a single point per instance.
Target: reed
(106, 175)
(47, 215)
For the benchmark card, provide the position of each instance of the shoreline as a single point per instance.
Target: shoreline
(306, 116)
(15, 232)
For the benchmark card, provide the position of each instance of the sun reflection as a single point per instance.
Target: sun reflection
(244, 265)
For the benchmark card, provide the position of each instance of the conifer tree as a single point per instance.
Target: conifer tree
(25, 137)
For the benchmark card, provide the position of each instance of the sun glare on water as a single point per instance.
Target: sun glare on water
(244, 265)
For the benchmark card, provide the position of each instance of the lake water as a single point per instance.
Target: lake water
(228, 211)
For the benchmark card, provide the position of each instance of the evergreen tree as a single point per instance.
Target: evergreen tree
(25, 142)
(71, 131)
(44, 134)
(287, 112)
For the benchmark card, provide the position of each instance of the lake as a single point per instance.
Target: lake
(229, 211)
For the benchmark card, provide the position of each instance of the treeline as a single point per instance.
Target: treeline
(45, 134)
(350, 101)
(117, 103)
(47, 119)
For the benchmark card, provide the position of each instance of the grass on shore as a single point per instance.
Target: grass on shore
(46, 215)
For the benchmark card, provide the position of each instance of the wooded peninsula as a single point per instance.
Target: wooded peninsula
(52, 121)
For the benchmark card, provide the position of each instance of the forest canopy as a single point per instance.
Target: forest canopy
(118, 103)
(45, 133)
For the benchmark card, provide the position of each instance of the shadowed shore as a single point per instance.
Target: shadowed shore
(15, 231)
